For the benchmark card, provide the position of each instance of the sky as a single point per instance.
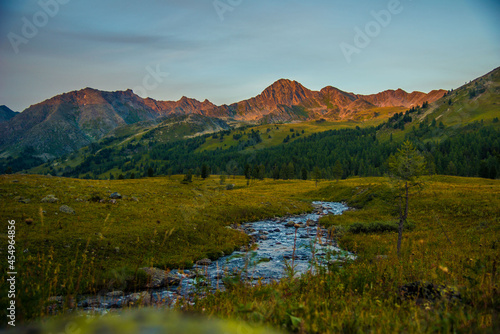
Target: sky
(230, 50)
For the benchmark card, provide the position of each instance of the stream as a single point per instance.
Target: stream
(268, 259)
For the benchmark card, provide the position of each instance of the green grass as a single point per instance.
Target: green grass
(363, 296)
(465, 108)
(159, 222)
(455, 242)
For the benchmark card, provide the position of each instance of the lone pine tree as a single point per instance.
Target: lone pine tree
(405, 168)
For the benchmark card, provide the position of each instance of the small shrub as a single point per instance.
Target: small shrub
(125, 279)
(215, 254)
(138, 281)
(95, 197)
(378, 227)
(337, 231)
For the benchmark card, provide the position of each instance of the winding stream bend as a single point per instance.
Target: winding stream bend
(273, 249)
(274, 245)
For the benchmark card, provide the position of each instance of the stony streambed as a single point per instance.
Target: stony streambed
(266, 260)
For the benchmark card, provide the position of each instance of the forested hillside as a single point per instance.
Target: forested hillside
(474, 151)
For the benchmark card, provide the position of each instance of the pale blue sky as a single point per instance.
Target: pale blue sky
(108, 44)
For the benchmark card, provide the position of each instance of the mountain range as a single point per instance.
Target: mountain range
(287, 100)
(72, 120)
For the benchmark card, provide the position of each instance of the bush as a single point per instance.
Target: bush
(138, 281)
(95, 197)
(215, 254)
(124, 278)
(378, 227)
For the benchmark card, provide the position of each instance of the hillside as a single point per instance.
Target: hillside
(67, 122)
(70, 121)
(472, 150)
(6, 114)
(475, 101)
(467, 148)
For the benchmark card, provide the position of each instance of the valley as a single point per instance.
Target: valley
(142, 210)
(154, 146)
(249, 167)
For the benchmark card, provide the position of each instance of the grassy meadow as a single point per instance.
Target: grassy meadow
(159, 222)
(454, 246)
(163, 223)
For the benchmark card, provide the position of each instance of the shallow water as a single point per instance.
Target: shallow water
(275, 246)
(267, 261)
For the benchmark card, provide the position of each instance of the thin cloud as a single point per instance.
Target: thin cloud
(142, 40)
